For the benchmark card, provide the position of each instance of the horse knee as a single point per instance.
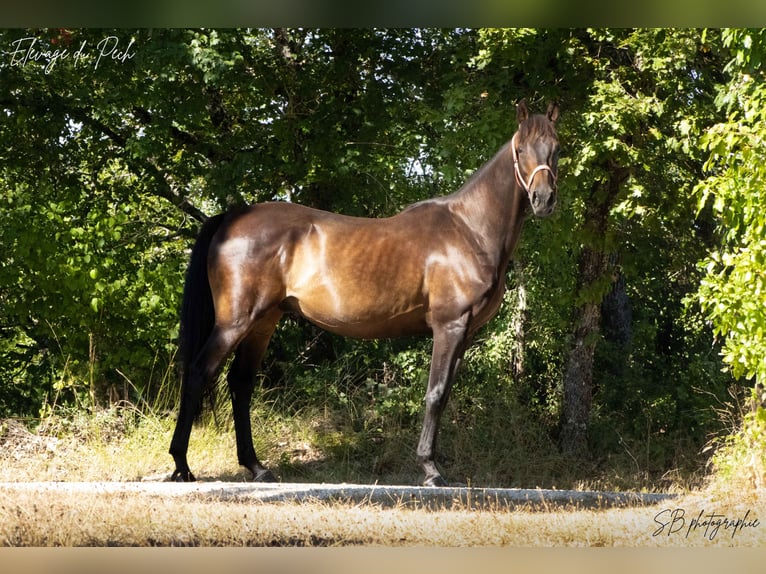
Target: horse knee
(436, 398)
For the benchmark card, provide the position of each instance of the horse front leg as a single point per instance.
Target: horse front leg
(449, 344)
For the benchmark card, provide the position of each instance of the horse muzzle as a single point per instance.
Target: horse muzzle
(543, 200)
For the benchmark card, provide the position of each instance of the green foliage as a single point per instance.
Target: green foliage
(112, 168)
(733, 292)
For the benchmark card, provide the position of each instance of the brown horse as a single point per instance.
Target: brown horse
(437, 268)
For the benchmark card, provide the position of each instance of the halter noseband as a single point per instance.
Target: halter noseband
(526, 184)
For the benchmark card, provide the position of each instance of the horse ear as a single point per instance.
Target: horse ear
(522, 113)
(553, 112)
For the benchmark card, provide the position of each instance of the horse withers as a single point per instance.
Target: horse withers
(437, 268)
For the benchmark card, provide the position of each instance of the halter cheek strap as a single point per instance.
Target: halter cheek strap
(528, 183)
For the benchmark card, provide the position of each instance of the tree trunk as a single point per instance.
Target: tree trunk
(593, 266)
(578, 376)
(617, 324)
(518, 323)
(617, 311)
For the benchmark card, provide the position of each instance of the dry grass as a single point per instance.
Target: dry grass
(116, 445)
(88, 450)
(118, 448)
(144, 520)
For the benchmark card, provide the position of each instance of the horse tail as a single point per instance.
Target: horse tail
(197, 310)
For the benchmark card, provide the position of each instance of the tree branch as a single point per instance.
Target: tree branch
(165, 188)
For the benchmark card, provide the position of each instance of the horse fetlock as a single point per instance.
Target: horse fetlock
(182, 476)
(263, 475)
(435, 480)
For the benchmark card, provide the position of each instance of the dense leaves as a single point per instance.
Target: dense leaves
(112, 159)
(733, 292)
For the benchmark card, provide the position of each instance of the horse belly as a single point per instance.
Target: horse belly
(359, 312)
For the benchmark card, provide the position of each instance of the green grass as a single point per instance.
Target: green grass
(739, 463)
(348, 432)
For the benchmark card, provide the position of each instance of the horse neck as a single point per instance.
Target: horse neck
(493, 205)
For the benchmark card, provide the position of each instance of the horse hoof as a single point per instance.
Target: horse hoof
(435, 481)
(182, 476)
(264, 475)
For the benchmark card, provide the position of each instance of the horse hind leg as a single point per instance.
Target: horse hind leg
(241, 379)
(202, 372)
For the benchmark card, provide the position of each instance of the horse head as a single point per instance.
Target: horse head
(535, 152)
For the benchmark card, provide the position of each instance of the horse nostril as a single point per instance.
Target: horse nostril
(540, 198)
(543, 202)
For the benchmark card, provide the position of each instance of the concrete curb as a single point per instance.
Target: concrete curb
(383, 495)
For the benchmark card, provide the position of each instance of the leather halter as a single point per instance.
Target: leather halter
(526, 184)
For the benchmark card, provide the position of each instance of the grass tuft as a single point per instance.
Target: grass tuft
(739, 463)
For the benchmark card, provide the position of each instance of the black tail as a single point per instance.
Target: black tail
(197, 311)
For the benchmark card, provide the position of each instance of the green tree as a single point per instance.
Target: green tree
(110, 169)
(634, 101)
(733, 292)
(113, 163)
